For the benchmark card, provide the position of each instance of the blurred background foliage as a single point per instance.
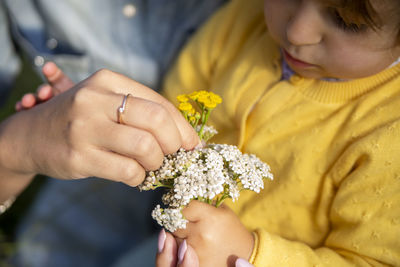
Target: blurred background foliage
(27, 81)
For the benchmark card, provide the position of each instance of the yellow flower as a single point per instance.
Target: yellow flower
(209, 104)
(182, 98)
(192, 111)
(202, 98)
(216, 98)
(192, 119)
(203, 93)
(185, 106)
(194, 95)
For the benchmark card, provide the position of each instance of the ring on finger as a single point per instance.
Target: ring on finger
(122, 108)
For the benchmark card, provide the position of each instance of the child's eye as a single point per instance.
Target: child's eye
(346, 26)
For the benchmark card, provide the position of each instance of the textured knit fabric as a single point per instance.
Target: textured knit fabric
(333, 147)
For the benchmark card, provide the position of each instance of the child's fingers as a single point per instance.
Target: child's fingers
(196, 210)
(167, 250)
(18, 106)
(44, 92)
(28, 101)
(56, 77)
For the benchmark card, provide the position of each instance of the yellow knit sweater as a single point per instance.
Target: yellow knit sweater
(333, 147)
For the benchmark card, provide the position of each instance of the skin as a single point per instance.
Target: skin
(206, 249)
(58, 82)
(167, 257)
(307, 31)
(208, 228)
(60, 137)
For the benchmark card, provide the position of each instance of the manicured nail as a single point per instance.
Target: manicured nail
(243, 263)
(182, 251)
(161, 240)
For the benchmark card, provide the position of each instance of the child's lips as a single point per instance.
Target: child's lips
(296, 62)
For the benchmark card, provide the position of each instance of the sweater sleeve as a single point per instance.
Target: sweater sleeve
(364, 215)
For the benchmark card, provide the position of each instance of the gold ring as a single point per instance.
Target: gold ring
(122, 108)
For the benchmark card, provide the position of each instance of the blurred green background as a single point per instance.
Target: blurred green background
(27, 81)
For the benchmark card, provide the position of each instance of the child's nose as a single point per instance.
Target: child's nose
(304, 26)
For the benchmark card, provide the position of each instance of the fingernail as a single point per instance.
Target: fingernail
(243, 263)
(182, 251)
(161, 240)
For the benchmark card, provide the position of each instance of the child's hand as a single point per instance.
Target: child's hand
(58, 82)
(216, 234)
(169, 255)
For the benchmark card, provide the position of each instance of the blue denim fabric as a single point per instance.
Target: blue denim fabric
(93, 222)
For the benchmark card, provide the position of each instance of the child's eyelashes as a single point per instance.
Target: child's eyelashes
(345, 25)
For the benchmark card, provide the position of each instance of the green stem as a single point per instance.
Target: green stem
(163, 185)
(204, 119)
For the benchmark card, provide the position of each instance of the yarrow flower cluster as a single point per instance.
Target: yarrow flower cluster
(209, 174)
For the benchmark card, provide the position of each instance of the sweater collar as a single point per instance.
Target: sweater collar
(338, 91)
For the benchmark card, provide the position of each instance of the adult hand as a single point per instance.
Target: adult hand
(177, 253)
(170, 256)
(76, 134)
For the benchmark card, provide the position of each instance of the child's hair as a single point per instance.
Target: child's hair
(362, 12)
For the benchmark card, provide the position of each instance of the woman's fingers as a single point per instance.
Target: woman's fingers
(240, 262)
(152, 118)
(56, 78)
(146, 134)
(167, 250)
(132, 142)
(187, 256)
(175, 254)
(124, 85)
(109, 165)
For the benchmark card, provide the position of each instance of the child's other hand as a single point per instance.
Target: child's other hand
(216, 234)
(58, 82)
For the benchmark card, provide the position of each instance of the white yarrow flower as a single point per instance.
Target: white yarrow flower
(208, 174)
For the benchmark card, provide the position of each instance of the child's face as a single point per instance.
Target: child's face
(318, 44)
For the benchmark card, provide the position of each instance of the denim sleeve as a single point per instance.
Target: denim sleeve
(9, 61)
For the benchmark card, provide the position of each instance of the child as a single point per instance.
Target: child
(313, 89)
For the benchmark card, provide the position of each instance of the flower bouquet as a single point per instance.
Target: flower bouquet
(209, 174)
